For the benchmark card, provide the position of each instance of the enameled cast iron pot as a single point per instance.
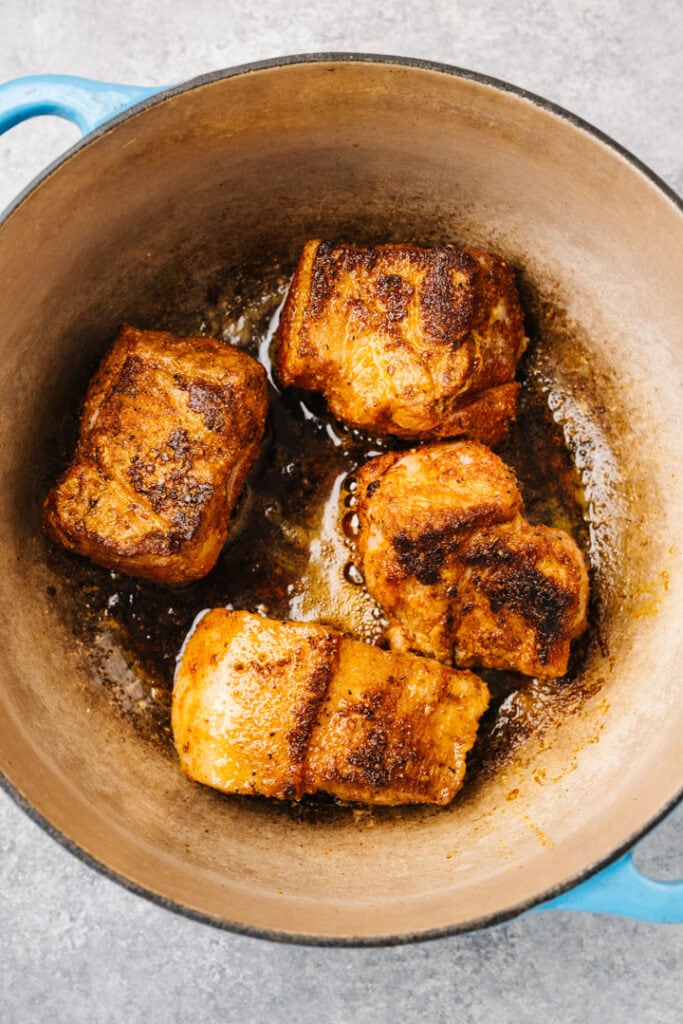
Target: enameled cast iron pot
(134, 221)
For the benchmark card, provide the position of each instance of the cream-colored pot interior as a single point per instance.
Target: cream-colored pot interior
(135, 221)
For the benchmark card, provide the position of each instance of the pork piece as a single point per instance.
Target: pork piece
(282, 709)
(417, 343)
(169, 431)
(461, 574)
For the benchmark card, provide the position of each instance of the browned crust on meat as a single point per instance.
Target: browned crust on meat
(476, 490)
(282, 709)
(461, 574)
(169, 430)
(529, 574)
(325, 647)
(401, 735)
(246, 695)
(444, 327)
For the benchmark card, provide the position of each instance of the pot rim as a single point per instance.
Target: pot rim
(293, 938)
(343, 941)
(345, 57)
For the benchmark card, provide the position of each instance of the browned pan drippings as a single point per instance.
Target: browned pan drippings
(291, 555)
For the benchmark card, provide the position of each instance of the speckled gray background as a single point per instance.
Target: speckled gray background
(76, 948)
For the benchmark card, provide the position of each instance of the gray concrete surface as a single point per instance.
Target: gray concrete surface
(76, 948)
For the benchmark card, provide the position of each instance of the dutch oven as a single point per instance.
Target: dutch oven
(169, 187)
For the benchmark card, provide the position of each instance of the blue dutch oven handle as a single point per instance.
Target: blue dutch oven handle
(87, 103)
(620, 888)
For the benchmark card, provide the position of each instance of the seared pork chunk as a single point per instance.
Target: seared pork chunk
(461, 574)
(169, 431)
(282, 709)
(416, 343)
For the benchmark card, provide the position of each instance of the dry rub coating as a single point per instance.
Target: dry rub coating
(417, 343)
(282, 709)
(461, 574)
(169, 431)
